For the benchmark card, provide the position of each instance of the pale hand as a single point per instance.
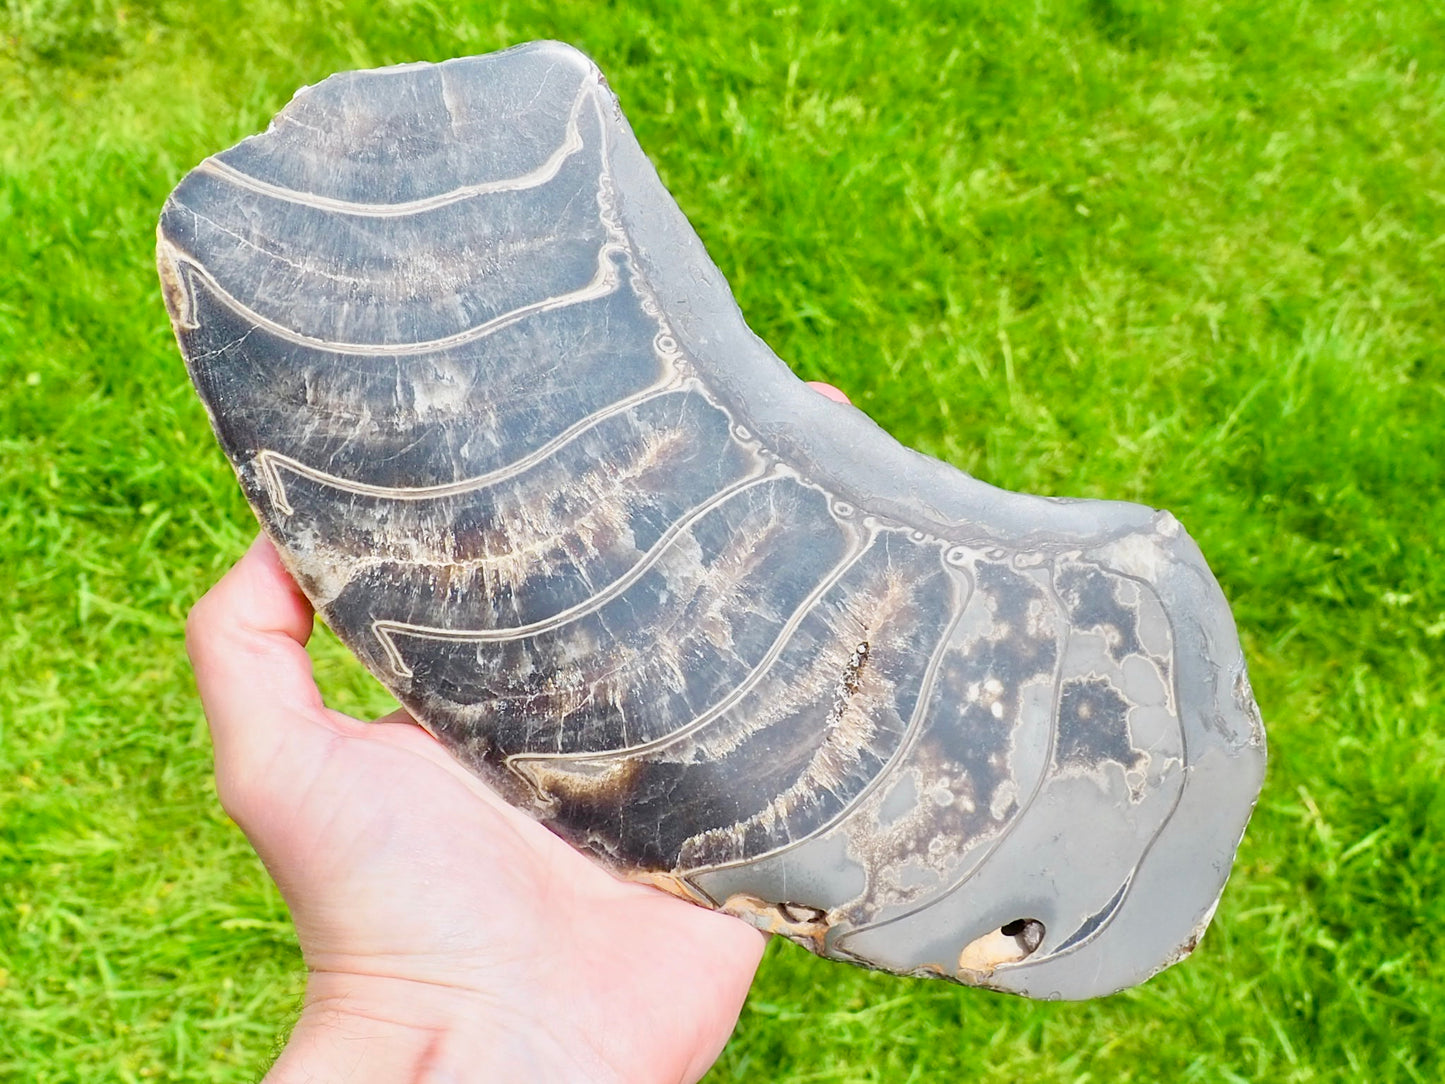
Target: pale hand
(447, 936)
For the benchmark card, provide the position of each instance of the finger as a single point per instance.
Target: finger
(827, 391)
(246, 639)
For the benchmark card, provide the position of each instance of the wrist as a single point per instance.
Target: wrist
(363, 1029)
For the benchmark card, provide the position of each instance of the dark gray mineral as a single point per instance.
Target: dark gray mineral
(503, 419)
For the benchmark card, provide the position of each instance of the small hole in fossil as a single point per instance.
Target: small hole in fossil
(1028, 932)
(1010, 943)
(800, 913)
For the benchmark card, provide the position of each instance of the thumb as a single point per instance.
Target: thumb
(247, 643)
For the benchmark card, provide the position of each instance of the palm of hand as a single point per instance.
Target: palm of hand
(418, 893)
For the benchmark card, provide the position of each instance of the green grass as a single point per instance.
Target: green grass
(1188, 254)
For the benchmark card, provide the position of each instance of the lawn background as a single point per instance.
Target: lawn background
(1187, 254)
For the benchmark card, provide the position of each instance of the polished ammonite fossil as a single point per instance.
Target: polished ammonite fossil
(502, 417)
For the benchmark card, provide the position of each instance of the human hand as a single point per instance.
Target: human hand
(446, 935)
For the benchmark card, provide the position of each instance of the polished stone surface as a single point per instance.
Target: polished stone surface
(497, 408)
